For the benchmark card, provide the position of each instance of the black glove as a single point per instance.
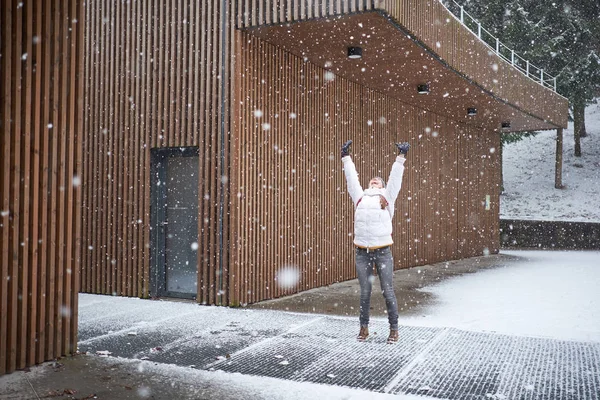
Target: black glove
(403, 147)
(346, 148)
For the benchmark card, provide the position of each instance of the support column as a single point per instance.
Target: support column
(559, 159)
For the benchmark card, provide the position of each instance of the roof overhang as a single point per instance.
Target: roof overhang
(394, 62)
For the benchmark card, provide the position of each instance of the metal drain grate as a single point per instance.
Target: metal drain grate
(469, 365)
(327, 352)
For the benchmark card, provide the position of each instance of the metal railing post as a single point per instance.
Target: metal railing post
(531, 74)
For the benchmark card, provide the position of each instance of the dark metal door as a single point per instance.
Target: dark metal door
(175, 228)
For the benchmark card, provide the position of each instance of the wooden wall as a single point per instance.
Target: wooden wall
(156, 75)
(258, 12)
(429, 22)
(290, 208)
(40, 161)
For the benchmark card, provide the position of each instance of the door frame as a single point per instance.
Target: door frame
(158, 197)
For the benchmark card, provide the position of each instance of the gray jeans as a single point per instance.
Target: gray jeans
(382, 259)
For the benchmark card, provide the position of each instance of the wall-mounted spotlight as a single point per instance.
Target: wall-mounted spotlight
(354, 52)
(471, 111)
(506, 125)
(423, 88)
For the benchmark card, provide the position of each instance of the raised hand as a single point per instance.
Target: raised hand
(403, 147)
(346, 148)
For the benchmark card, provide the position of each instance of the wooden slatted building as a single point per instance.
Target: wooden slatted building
(204, 142)
(41, 110)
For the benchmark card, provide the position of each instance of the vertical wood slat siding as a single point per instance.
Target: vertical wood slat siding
(152, 79)
(40, 69)
(249, 13)
(290, 169)
(432, 24)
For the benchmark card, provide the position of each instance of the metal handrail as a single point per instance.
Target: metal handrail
(531, 71)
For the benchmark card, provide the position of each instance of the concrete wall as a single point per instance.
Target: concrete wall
(549, 234)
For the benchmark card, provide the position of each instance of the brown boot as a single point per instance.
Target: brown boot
(363, 334)
(393, 338)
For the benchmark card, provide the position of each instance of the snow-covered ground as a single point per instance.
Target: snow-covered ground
(529, 176)
(240, 386)
(541, 294)
(549, 294)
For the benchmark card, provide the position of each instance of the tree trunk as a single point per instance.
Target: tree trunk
(559, 159)
(582, 131)
(578, 124)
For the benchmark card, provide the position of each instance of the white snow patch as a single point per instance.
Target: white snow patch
(529, 176)
(549, 294)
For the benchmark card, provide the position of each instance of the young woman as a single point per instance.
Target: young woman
(374, 210)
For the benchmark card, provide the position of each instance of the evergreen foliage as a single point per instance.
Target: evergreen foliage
(562, 37)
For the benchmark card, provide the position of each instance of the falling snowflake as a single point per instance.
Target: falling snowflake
(76, 181)
(143, 392)
(288, 276)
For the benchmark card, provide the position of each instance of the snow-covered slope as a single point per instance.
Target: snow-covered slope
(529, 176)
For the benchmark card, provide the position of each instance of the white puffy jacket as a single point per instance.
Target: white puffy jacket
(373, 225)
